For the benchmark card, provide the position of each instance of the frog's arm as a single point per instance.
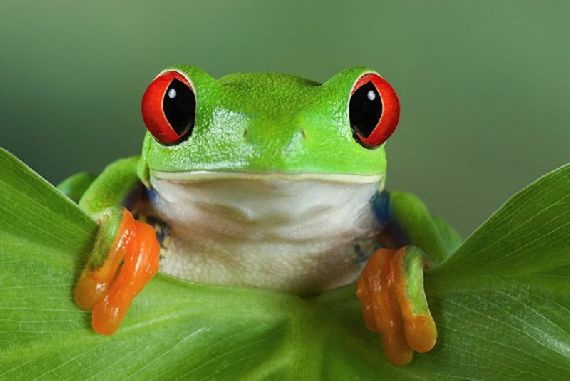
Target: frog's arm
(110, 279)
(391, 286)
(451, 238)
(75, 186)
(407, 221)
(109, 189)
(112, 187)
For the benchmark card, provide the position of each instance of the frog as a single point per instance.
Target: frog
(270, 181)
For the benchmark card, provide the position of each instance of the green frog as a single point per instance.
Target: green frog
(270, 181)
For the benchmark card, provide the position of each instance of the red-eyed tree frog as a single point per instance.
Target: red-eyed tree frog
(269, 181)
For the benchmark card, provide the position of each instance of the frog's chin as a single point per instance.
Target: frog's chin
(200, 176)
(289, 232)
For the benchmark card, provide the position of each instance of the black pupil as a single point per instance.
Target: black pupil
(365, 109)
(179, 105)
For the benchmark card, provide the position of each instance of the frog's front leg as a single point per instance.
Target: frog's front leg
(126, 252)
(391, 286)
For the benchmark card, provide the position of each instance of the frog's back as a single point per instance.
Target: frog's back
(266, 92)
(266, 80)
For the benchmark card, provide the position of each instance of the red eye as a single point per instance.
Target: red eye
(374, 110)
(169, 108)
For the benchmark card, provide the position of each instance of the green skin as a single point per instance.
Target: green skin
(266, 124)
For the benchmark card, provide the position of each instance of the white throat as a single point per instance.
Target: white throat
(287, 232)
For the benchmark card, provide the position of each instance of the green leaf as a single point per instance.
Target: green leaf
(501, 303)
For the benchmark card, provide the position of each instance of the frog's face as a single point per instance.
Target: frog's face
(262, 124)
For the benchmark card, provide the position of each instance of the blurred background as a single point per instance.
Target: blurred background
(484, 85)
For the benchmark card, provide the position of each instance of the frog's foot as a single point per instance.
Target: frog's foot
(125, 258)
(394, 304)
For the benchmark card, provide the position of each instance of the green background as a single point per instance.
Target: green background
(484, 85)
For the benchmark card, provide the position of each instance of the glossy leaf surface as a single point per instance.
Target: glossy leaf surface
(502, 305)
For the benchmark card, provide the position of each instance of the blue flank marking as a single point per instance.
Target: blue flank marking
(386, 219)
(151, 194)
(381, 208)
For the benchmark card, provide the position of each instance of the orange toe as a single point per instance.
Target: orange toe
(132, 262)
(140, 265)
(387, 310)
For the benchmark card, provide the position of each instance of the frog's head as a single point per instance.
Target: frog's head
(261, 124)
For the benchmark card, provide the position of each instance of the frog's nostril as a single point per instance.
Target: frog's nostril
(245, 133)
(303, 134)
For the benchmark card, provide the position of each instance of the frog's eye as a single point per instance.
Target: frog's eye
(169, 108)
(374, 110)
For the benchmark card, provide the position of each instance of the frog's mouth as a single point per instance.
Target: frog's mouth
(263, 200)
(200, 176)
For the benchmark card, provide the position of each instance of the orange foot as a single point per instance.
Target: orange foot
(107, 289)
(393, 301)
